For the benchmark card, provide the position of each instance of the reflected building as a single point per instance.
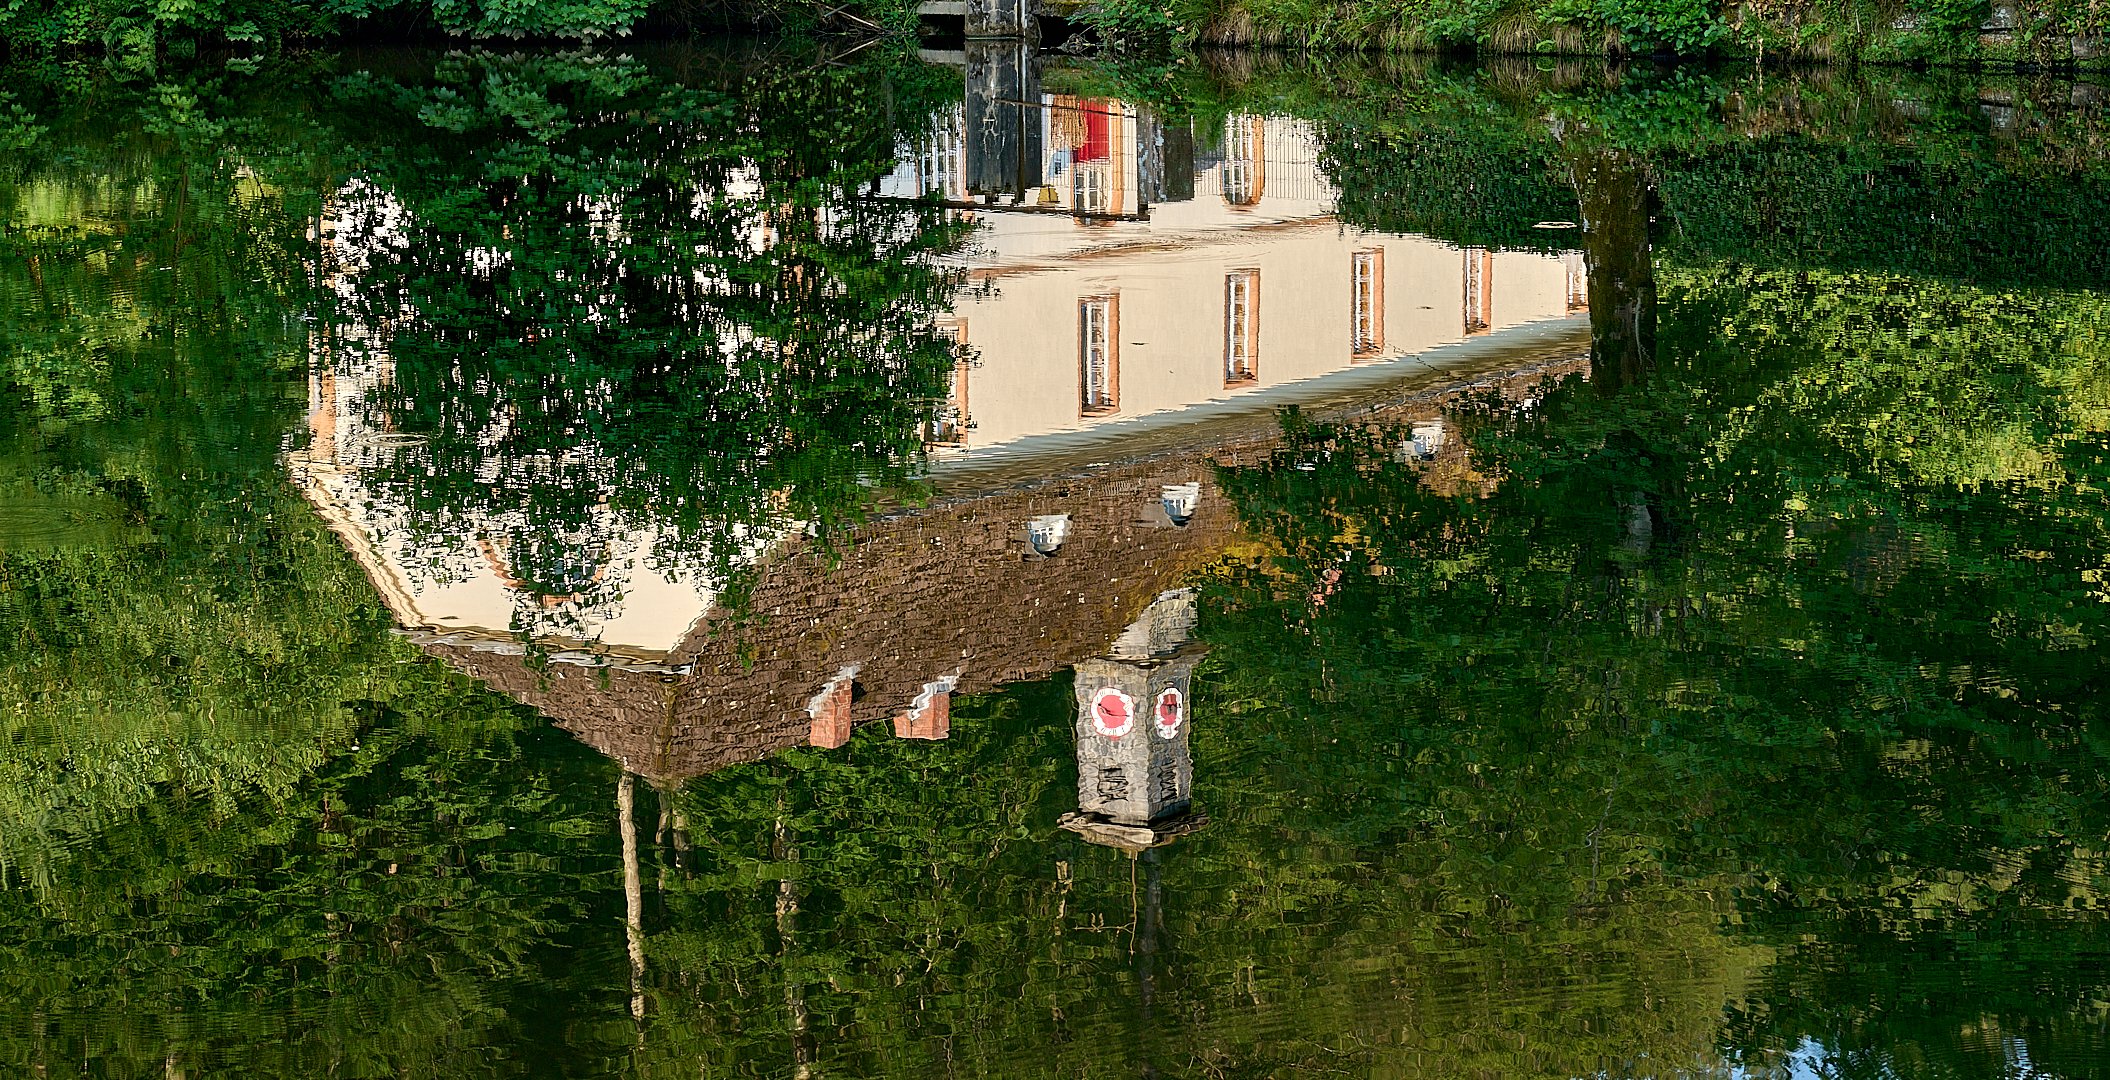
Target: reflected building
(624, 602)
(1211, 272)
(603, 588)
(1078, 568)
(1138, 267)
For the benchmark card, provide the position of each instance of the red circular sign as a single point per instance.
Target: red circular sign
(1113, 712)
(1172, 710)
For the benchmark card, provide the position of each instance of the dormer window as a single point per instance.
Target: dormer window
(1245, 161)
(1180, 500)
(1046, 533)
(938, 162)
(1091, 182)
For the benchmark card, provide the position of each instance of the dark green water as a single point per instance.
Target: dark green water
(1679, 657)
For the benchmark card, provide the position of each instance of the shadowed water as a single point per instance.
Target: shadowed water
(749, 561)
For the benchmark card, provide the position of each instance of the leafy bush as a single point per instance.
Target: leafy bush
(1132, 22)
(143, 27)
(1679, 26)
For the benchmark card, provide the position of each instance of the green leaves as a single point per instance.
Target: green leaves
(583, 306)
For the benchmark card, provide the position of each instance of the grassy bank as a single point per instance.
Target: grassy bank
(135, 27)
(2058, 34)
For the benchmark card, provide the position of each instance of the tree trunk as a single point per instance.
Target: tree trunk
(1618, 207)
(633, 893)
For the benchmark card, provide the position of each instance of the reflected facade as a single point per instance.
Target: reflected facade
(653, 565)
(1096, 262)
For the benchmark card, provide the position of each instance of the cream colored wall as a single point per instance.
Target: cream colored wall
(1024, 328)
(1527, 287)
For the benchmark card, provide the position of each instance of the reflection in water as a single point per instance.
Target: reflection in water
(1135, 768)
(525, 494)
(1713, 694)
(1131, 266)
(582, 375)
(918, 606)
(1618, 213)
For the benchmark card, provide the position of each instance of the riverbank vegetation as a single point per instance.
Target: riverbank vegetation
(2034, 33)
(144, 27)
(2055, 33)
(178, 615)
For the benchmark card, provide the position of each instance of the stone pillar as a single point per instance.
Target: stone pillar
(1002, 117)
(1135, 767)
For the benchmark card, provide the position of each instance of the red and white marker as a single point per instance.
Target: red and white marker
(1113, 713)
(1172, 711)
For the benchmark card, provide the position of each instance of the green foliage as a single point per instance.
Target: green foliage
(1136, 25)
(1683, 27)
(405, 911)
(564, 312)
(1749, 713)
(1885, 172)
(1827, 585)
(139, 30)
(538, 18)
(1943, 31)
(172, 616)
(240, 821)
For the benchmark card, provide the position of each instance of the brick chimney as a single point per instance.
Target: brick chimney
(830, 710)
(930, 715)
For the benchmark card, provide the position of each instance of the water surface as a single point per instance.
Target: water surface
(742, 561)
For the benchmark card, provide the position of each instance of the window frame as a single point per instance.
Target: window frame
(1241, 334)
(1107, 307)
(1366, 304)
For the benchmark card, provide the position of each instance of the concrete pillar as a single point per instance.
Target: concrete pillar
(1134, 764)
(1001, 19)
(1002, 116)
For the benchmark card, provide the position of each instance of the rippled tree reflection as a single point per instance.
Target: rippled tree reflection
(600, 311)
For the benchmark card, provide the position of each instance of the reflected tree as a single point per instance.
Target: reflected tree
(611, 303)
(241, 825)
(1850, 692)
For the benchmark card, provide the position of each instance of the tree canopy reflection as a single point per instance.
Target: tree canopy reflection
(1740, 707)
(1807, 615)
(610, 301)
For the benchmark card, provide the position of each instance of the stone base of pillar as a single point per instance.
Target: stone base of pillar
(1133, 839)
